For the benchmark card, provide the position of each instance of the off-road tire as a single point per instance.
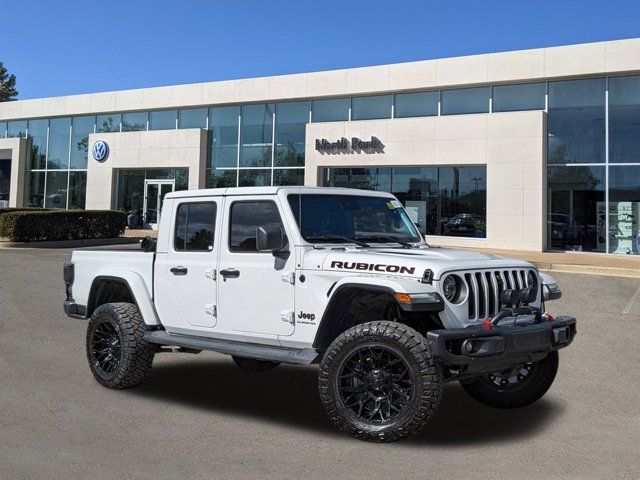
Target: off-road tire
(135, 353)
(533, 388)
(426, 378)
(254, 365)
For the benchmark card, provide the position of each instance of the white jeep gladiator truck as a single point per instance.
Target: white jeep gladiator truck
(338, 277)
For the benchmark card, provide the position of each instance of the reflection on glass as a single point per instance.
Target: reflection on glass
(192, 118)
(38, 142)
(254, 178)
(5, 182)
(367, 108)
(80, 130)
(56, 196)
(576, 210)
(465, 100)
(624, 210)
(58, 152)
(34, 191)
(131, 185)
(576, 121)
(162, 120)
(17, 129)
(3, 129)
(221, 178)
(523, 96)
(442, 200)
(223, 123)
(291, 120)
(108, 123)
(256, 135)
(289, 176)
(624, 119)
(331, 110)
(134, 122)
(420, 104)
(77, 190)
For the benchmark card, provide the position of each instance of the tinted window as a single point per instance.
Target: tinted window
(526, 96)
(81, 128)
(38, 143)
(419, 104)
(246, 217)
(332, 110)
(256, 133)
(58, 152)
(134, 122)
(223, 123)
(366, 108)
(465, 100)
(108, 123)
(291, 120)
(162, 120)
(624, 119)
(3, 129)
(195, 225)
(192, 118)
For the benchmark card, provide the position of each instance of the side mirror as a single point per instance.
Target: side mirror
(269, 239)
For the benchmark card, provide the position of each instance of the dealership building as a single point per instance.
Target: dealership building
(527, 150)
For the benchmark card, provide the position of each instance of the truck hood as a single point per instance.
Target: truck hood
(406, 262)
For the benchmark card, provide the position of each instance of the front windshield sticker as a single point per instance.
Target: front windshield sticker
(396, 204)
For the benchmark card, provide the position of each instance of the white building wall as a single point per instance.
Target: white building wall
(511, 145)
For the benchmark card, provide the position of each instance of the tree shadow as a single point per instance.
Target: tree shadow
(288, 396)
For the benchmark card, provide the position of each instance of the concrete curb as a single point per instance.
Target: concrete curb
(589, 270)
(88, 242)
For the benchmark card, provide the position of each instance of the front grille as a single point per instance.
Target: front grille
(484, 289)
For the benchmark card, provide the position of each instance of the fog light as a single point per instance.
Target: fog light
(468, 346)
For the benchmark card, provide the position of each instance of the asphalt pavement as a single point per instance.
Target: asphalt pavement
(200, 416)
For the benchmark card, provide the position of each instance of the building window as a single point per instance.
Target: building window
(256, 135)
(195, 227)
(17, 129)
(56, 195)
(330, 110)
(419, 104)
(465, 100)
(218, 178)
(163, 120)
(223, 123)
(368, 108)
(3, 129)
(624, 209)
(523, 96)
(77, 190)
(108, 123)
(5, 182)
(34, 189)
(288, 176)
(131, 185)
(38, 143)
(576, 218)
(254, 178)
(576, 121)
(291, 121)
(81, 128)
(192, 118)
(624, 120)
(441, 200)
(134, 122)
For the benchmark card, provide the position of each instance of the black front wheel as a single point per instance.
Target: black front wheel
(514, 387)
(379, 381)
(118, 354)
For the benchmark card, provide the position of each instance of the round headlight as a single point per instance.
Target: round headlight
(450, 288)
(532, 279)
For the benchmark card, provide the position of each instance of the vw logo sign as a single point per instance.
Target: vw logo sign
(100, 151)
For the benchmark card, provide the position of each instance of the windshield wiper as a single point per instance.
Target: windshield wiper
(385, 238)
(335, 238)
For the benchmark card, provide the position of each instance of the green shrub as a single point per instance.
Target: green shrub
(31, 226)
(22, 209)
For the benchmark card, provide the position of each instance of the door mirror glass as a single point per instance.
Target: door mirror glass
(269, 238)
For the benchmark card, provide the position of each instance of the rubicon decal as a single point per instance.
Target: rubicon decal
(372, 267)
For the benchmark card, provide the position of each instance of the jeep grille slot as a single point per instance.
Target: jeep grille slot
(484, 287)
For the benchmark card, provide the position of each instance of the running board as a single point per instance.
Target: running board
(302, 356)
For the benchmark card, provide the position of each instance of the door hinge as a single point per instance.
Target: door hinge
(211, 310)
(289, 277)
(288, 317)
(211, 274)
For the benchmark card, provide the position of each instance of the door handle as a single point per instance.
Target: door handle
(179, 270)
(230, 273)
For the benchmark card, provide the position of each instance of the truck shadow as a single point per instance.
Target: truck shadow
(288, 395)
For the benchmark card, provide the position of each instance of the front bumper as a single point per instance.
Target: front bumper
(476, 350)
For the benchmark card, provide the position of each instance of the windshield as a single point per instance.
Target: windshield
(352, 218)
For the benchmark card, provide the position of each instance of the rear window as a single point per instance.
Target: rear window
(195, 227)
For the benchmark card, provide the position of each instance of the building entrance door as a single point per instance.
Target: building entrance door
(5, 180)
(154, 192)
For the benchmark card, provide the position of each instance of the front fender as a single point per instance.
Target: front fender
(137, 287)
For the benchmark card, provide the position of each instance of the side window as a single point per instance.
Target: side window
(195, 226)
(245, 218)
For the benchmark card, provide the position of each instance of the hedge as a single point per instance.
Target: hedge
(31, 226)
(21, 209)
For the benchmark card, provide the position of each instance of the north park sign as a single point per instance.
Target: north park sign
(356, 145)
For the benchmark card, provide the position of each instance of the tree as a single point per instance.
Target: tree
(8, 90)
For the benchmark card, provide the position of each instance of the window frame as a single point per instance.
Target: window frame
(230, 249)
(186, 226)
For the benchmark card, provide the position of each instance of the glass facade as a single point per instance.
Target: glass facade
(593, 153)
(131, 185)
(447, 201)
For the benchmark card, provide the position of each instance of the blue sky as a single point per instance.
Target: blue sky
(67, 47)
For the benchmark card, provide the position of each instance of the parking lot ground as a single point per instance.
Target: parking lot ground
(199, 416)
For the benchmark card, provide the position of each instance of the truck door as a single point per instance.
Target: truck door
(255, 289)
(185, 292)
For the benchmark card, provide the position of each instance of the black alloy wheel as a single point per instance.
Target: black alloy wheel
(105, 348)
